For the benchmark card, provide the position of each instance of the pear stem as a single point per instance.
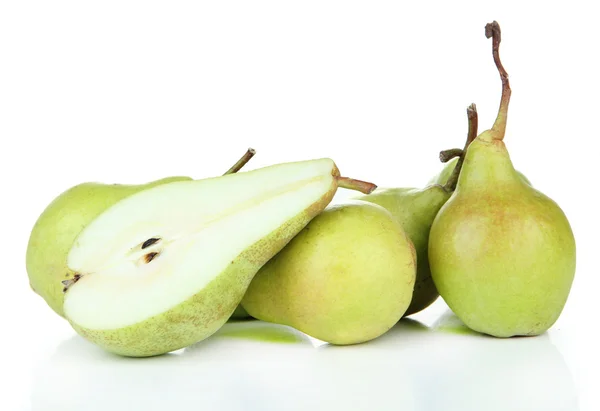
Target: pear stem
(358, 185)
(241, 162)
(448, 155)
(450, 185)
(493, 30)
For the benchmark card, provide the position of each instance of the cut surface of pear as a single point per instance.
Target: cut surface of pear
(415, 210)
(166, 267)
(346, 278)
(61, 222)
(57, 227)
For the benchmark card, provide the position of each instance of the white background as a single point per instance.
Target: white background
(122, 91)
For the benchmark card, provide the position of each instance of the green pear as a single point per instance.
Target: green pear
(443, 176)
(502, 254)
(346, 278)
(415, 210)
(167, 266)
(55, 231)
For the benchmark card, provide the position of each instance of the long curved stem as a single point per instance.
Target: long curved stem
(493, 30)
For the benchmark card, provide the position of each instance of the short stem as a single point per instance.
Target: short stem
(450, 185)
(448, 155)
(241, 162)
(493, 30)
(358, 185)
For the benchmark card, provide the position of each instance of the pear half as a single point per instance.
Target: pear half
(58, 226)
(166, 267)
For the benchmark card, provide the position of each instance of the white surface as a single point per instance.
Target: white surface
(122, 91)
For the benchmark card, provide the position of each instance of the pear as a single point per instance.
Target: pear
(502, 254)
(57, 227)
(167, 266)
(415, 210)
(443, 176)
(346, 278)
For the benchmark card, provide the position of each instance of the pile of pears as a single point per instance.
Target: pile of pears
(143, 270)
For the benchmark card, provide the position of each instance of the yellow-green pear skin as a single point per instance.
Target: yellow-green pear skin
(60, 223)
(502, 254)
(443, 176)
(346, 278)
(415, 210)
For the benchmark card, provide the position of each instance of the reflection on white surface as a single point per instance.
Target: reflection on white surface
(257, 366)
(481, 372)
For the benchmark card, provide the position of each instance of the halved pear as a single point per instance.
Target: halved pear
(58, 226)
(166, 267)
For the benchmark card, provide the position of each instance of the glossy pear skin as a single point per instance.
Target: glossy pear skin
(346, 278)
(502, 254)
(444, 175)
(415, 210)
(60, 223)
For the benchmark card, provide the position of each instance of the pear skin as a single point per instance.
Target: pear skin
(346, 278)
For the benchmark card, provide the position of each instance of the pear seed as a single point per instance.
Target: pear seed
(149, 242)
(150, 256)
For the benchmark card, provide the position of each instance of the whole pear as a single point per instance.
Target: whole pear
(64, 218)
(502, 254)
(346, 278)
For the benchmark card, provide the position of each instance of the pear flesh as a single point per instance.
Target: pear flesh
(346, 278)
(57, 227)
(166, 267)
(415, 209)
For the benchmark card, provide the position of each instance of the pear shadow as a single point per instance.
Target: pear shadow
(449, 323)
(262, 332)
